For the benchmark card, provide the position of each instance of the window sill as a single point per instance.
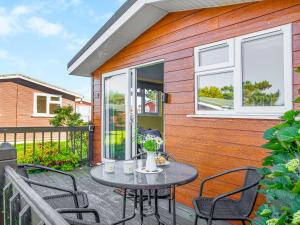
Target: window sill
(43, 115)
(238, 116)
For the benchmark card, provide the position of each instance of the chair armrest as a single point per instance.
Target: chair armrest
(227, 194)
(221, 174)
(51, 170)
(80, 210)
(73, 193)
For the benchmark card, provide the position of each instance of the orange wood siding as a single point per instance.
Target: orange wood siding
(211, 145)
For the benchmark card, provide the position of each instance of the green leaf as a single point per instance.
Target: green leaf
(297, 70)
(297, 100)
(272, 145)
(290, 115)
(296, 188)
(270, 133)
(287, 134)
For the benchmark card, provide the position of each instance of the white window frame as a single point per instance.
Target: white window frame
(48, 102)
(230, 63)
(207, 73)
(236, 67)
(143, 104)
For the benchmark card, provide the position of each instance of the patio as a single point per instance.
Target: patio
(108, 203)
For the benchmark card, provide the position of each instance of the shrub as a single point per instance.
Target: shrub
(49, 155)
(281, 185)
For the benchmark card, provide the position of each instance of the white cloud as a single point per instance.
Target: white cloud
(21, 10)
(43, 27)
(10, 22)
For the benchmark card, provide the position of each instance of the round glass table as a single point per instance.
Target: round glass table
(173, 175)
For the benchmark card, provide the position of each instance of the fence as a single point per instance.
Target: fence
(77, 139)
(19, 203)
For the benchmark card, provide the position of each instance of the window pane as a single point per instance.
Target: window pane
(263, 71)
(55, 99)
(215, 91)
(151, 101)
(214, 55)
(53, 107)
(41, 104)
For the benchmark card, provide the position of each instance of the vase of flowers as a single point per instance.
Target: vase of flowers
(151, 144)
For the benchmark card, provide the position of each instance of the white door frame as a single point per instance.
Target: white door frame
(131, 113)
(127, 110)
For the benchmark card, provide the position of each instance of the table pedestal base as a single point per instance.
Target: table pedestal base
(141, 210)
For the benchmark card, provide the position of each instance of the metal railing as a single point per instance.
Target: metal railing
(23, 206)
(76, 139)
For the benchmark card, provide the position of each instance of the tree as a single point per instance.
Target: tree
(212, 92)
(257, 94)
(66, 117)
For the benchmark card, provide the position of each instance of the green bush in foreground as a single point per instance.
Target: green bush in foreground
(281, 185)
(49, 155)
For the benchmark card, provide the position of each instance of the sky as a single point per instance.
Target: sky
(39, 37)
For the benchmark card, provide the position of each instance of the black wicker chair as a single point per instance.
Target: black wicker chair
(70, 198)
(224, 208)
(66, 213)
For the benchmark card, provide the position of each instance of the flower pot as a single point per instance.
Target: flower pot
(150, 162)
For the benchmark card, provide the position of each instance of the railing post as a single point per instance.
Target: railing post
(90, 144)
(8, 156)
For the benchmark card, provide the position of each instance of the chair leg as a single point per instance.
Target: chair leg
(209, 221)
(135, 198)
(196, 220)
(149, 197)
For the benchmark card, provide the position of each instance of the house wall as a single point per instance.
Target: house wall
(16, 104)
(211, 145)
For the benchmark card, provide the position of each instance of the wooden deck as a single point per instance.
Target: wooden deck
(108, 203)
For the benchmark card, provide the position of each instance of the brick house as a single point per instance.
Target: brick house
(27, 102)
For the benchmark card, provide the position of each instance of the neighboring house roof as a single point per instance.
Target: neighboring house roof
(35, 81)
(83, 102)
(132, 19)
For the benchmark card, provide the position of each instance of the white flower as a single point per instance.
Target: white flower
(159, 141)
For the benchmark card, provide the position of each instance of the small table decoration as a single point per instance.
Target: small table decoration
(150, 144)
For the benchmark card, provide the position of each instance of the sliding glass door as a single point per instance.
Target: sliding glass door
(118, 114)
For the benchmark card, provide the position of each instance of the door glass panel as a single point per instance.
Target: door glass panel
(115, 100)
(263, 70)
(214, 55)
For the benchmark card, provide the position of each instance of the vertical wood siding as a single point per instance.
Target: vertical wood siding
(211, 145)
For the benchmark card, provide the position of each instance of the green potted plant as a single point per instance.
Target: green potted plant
(151, 145)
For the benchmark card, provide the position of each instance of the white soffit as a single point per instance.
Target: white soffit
(133, 22)
(181, 5)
